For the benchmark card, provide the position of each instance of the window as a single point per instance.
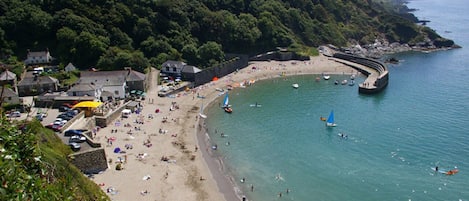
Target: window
(167, 68)
(116, 92)
(174, 69)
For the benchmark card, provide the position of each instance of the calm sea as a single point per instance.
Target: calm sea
(394, 138)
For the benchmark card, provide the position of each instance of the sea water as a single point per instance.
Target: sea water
(394, 138)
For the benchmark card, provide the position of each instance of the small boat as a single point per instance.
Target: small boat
(330, 120)
(336, 82)
(344, 82)
(226, 105)
(201, 114)
(228, 109)
(322, 118)
(452, 172)
(295, 86)
(255, 105)
(326, 77)
(218, 89)
(226, 102)
(351, 83)
(352, 77)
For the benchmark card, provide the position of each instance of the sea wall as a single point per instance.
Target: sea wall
(92, 161)
(380, 76)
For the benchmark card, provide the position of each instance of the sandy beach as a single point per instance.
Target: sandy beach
(166, 155)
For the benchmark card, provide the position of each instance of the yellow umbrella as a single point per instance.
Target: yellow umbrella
(91, 104)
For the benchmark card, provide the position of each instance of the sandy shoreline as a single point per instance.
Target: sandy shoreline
(189, 171)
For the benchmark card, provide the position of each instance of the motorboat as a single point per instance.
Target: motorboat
(344, 82)
(295, 86)
(326, 77)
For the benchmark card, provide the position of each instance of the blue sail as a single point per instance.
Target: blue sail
(330, 119)
(225, 101)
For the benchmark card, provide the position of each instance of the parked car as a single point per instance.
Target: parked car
(60, 120)
(73, 132)
(77, 139)
(40, 116)
(75, 146)
(64, 117)
(63, 109)
(14, 114)
(54, 127)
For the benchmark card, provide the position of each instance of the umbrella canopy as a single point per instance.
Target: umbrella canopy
(91, 104)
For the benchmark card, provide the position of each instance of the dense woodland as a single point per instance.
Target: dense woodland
(111, 34)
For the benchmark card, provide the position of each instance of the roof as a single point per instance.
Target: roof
(38, 54)
(103, 81)
(126, 75)
(135, 76)
(171, 63)
(82, 87)
(190, 69)
(70, 67)
(7, 75)
(7, 92)
(30, 79)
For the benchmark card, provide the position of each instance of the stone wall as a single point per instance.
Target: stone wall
(237, 61)
(92, 161)
(106, 120)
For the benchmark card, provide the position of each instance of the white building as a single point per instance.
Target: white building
(35, 58)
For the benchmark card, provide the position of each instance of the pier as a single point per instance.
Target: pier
(377, 72)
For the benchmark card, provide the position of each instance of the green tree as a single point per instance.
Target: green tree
(210, 53)
(89, 48)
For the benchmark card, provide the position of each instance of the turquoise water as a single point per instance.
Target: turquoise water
(394, 138)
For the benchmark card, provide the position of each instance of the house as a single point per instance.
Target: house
(86, 89)
(36, 58)
(70, 67)
(110, 81)
(172, 68)
(179, 69)
(118, 83)
(135, 80)
(32, 85)
(9, 96)
(188, 72)
(8, 77)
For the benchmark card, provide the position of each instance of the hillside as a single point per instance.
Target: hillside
(111, 34)
(35, 167)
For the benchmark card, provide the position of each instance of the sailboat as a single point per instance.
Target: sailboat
(201, 114)
(330, 120)
(226, 106)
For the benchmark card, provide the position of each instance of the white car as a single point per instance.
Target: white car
(14, 114)
(77, 139)
(75, 146)
(60, 120)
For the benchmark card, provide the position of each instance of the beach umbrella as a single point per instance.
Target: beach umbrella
(215, 78)
(117, 150)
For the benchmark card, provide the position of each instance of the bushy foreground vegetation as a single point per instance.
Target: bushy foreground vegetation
(34, 166)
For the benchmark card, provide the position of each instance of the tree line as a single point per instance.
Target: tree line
(111, 34)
